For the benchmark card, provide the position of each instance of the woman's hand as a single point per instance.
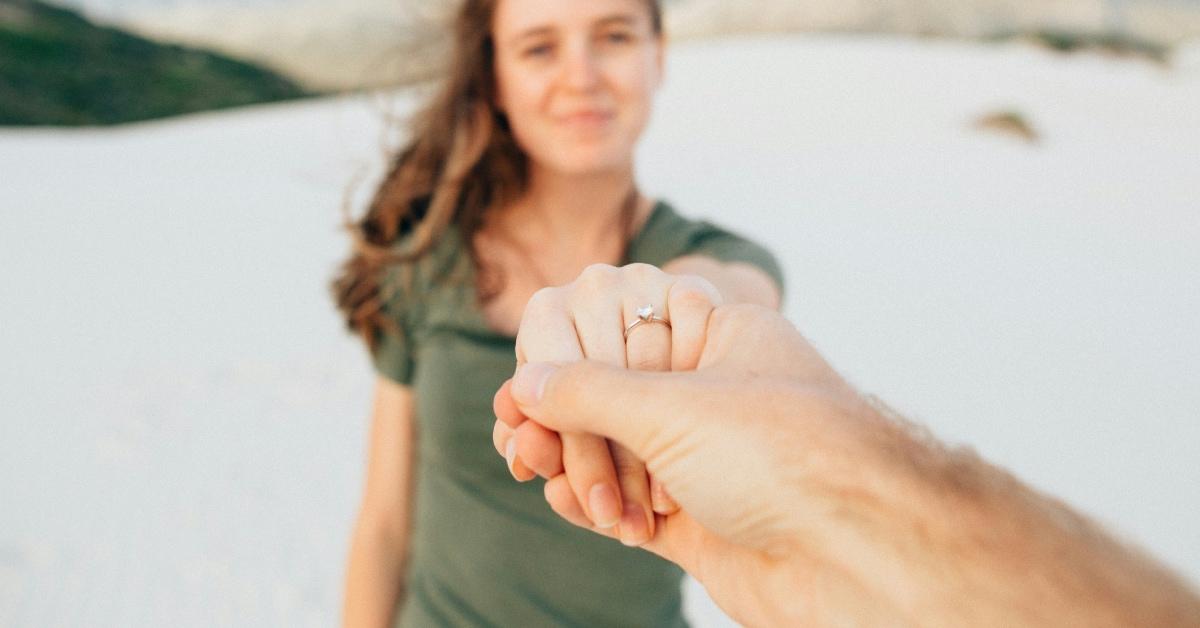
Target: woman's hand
(590, 482)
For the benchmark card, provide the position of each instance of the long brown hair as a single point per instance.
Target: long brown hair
(461, 159)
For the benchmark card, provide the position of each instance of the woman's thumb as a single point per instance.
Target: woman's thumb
(635, 408)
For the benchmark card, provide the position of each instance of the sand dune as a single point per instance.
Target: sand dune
(352, 43)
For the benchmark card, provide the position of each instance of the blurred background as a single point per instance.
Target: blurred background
(988, 212)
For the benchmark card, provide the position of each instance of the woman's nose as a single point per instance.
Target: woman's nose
(582, 69)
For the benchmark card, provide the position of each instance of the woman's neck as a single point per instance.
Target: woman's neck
(569, 212)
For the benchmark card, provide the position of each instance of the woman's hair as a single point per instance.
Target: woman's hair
(460, 160)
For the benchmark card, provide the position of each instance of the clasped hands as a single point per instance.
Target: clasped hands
(793, 499)
(703, 466)
(591, 482)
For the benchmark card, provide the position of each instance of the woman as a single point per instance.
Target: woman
(519, 175)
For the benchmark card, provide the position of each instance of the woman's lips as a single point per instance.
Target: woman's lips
(587, 119)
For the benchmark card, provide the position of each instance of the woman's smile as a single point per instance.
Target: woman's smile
(588, 120)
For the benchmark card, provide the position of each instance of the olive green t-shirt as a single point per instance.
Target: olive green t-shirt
(486, 550)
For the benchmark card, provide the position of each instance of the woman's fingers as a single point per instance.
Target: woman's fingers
(505, 440)
(548, 334)
(537, 444)
(637, 514)
(647, 348)
(600, 324)
(606, 301)
(500, 435)
(690, 302)
(539, 449)
(562, 501)
(593, 478)
(597, 316)
(504, 407)
(610, 487)
(648, 345)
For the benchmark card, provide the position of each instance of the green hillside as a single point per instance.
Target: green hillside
(57, 68)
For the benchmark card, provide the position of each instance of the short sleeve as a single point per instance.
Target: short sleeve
(393, 357)
(393, 354)
(705, 238)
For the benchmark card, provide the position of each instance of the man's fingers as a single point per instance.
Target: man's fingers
(637, 409)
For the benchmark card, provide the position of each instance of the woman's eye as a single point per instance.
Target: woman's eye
(618, 38)
(538, 51)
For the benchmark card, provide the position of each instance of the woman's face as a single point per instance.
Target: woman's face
(576, 79)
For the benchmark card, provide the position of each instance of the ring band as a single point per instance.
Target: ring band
(645, 314)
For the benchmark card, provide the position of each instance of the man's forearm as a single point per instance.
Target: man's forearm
(804, 503)
(990, 550)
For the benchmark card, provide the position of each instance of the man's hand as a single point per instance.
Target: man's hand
(803, 504)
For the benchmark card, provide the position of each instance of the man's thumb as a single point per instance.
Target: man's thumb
(634, 408)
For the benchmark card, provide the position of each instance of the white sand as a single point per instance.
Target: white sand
(183, 420)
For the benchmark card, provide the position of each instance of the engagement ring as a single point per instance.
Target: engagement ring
(645, 314)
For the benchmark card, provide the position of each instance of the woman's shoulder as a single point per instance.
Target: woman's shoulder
(413, 286)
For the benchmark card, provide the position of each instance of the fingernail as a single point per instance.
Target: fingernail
(530, 382)
(510, 454)
(606, 509)
(634, 530)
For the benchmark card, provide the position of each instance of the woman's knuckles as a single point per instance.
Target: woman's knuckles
(693, 292)
(546, 301)
(595, 278)
(642, 273)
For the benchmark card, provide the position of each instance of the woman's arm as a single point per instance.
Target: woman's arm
(738, 282)
(378, 547)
